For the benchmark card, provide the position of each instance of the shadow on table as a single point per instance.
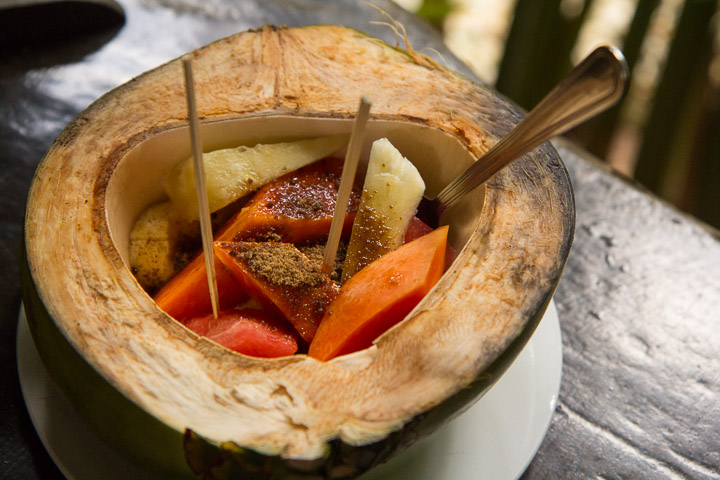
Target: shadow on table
(31, 30)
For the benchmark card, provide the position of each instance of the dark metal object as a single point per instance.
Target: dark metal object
(638, 303)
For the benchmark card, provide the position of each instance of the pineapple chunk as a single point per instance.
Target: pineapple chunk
(234, 172)
(155, 242)
(392, 191)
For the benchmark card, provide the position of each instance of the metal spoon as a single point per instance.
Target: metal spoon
(594, 85)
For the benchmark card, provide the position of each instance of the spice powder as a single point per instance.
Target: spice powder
(280, 264)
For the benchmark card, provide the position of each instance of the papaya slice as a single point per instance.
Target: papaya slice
(281, 278)
(380, 295)
(297, 208)
(249, 331)
(187, 294)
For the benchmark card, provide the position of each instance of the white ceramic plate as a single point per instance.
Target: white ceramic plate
(495, 439)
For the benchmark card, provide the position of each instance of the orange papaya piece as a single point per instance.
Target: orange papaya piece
(297, 207)
(380, 295)
(187, 294)
(281, 278)
(249, 331)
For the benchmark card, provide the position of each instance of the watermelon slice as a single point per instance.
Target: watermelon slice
(249, 331)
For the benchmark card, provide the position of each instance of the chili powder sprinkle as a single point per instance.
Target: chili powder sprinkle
(280, 264)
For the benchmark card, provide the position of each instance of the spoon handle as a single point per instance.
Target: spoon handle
(592, 86)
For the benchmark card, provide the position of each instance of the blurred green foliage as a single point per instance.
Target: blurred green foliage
(435, 12)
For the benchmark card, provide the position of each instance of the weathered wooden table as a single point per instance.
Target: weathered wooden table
(639, 303)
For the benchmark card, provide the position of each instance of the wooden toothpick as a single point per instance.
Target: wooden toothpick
(199, 170)
(346, 183)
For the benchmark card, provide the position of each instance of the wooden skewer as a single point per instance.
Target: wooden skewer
(346, 183)
(199, 170)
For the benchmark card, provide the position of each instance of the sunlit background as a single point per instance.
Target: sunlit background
(666, 132)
